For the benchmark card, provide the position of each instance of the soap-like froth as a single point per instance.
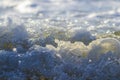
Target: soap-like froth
(59, 40)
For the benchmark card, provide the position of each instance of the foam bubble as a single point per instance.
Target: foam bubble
(102, 46)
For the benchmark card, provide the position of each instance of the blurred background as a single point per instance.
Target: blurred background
(97, 16)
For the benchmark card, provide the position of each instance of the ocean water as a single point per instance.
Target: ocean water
(59, 40)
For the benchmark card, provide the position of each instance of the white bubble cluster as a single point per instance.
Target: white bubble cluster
(25, 57)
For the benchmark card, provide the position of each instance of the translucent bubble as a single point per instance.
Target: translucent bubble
(102, 46)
